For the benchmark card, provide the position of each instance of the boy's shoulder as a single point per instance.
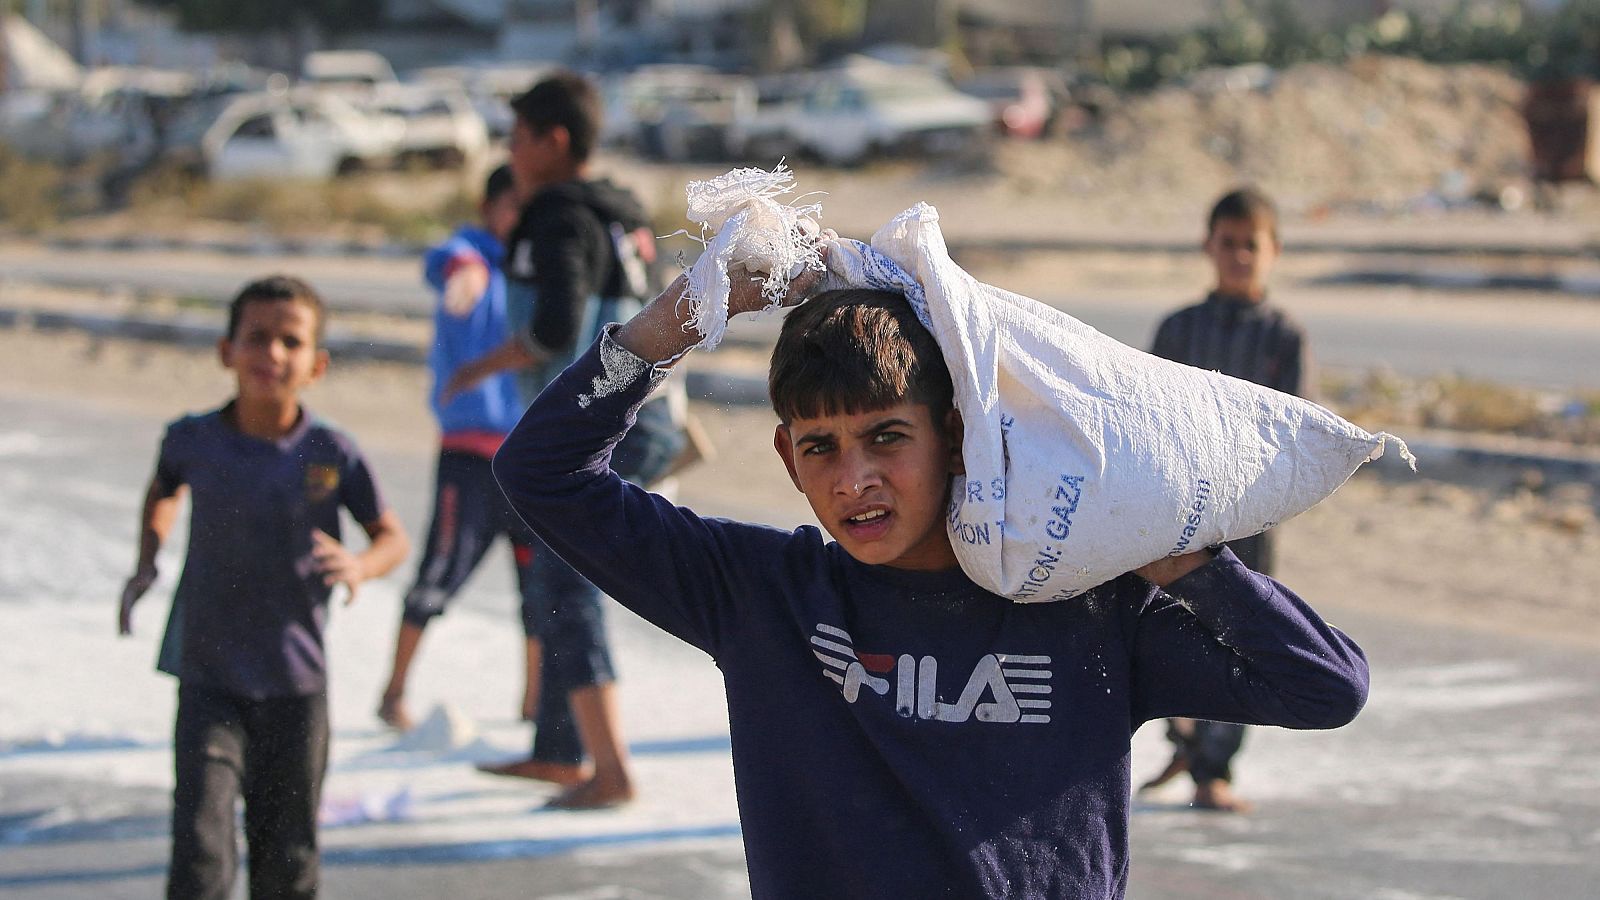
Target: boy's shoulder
(471, 239)
(598, 198)
(196, 423)
(1212, 305)
(324, 430)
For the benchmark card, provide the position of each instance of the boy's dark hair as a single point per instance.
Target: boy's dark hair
(498, 182)
(1247, 204)
(275, 288)
(855, 350)
(567, 99)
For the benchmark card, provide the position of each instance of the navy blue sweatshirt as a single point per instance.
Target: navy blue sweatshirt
(900, 733)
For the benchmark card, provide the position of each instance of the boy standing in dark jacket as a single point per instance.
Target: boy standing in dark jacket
(1234, 331)
(573, 265)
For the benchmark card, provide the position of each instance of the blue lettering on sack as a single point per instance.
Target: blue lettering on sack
(1043, 566)
(971, 534)
(1191, 522)
(1065, 504)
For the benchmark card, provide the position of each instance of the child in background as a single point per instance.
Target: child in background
(469, 511)
(896, 729)
(574, 263)
(266, 480)
(1237, 332)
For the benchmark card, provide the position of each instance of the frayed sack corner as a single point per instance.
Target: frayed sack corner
(1405, 452)
(743, 224)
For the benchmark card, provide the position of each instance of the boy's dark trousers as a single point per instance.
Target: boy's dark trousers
(271, 752)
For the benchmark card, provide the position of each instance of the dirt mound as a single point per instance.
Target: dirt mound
(1379, 134)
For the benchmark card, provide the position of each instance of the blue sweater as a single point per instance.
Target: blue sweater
(909, 734)
(493, 405)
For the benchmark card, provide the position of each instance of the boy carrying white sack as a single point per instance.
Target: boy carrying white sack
(898, 727)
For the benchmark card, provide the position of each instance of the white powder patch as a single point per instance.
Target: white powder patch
(619, 369)
(21, 443)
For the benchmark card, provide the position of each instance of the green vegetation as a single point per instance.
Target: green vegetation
(425, 208)
(1562, 43)
(1383, 399)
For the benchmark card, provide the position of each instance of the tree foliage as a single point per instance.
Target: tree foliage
(1561, 43)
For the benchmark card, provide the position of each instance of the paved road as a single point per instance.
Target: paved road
(1474, 772)
(1547, 341)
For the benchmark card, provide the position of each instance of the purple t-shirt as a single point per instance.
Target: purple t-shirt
(909, 734)
(250, 607)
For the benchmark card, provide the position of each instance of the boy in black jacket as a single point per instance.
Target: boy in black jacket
(573, 264)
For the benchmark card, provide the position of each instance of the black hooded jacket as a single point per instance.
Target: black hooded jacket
(563, 252)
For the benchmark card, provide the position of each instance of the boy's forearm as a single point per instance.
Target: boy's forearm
(660, 333)
(513, 354)
(155, 523)
(387, 549)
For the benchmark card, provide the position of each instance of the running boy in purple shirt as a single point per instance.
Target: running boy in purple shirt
(896, 729)
(266, 481)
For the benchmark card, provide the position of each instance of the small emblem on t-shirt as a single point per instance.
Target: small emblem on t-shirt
(321, 481)
(1003, 687)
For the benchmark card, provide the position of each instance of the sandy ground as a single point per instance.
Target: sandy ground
(1489, 548)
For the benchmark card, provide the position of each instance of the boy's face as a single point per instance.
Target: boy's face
(1242, 252)
(537, 157)
(273, 353)
(500, 214)
(878, 481)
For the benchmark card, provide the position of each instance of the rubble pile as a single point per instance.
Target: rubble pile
(1376, 135)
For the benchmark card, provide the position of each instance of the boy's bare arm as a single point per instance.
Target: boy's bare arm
(388, 548)
(513, 354)
(155, 523)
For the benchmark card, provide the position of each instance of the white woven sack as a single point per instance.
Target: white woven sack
(1084, 457)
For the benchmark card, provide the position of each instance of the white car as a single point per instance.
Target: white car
(297, 135)
(346, 71)
(865, 110)
(442, 128)
(677, 112)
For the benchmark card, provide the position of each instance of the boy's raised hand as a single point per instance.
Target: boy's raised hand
(745, 295)
(337, 563)
(465, 288)
(132, 590)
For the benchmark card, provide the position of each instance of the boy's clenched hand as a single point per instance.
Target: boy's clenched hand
(659, 334)
(337, 563)
(745, 295)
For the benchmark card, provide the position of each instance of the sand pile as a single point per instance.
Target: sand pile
(1379, 134)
